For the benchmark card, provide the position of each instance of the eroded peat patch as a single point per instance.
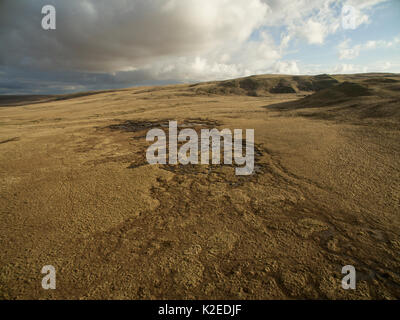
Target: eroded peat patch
(214, 164)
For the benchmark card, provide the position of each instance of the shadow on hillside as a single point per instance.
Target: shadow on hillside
(346, 103)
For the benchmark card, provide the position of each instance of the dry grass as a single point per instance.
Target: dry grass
(76, 193)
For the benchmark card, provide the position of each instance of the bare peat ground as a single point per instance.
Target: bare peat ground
(77, 193)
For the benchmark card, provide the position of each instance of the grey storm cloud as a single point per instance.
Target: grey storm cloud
(123, 42)
(107, 36)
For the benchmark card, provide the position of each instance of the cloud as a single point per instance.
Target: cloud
(134, 42)
(347, 52)
(122, 35)
(286, 67)
(344, 68)
(315, 20)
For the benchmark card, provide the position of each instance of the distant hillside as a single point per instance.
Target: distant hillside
(20, 100)
(336, 94)
(322, 89)
(265, 85)
(375, 98)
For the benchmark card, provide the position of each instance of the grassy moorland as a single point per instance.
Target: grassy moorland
(78, 194)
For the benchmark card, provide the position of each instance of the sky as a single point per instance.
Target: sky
(103, 44)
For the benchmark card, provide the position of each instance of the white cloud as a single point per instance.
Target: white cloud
(286, 67)
(347, 52)
(371, 44)
(315, 32)
(344, 68)
(314, 20)
(349, 68)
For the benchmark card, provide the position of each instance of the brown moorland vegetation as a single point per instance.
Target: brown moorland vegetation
(78, 194)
